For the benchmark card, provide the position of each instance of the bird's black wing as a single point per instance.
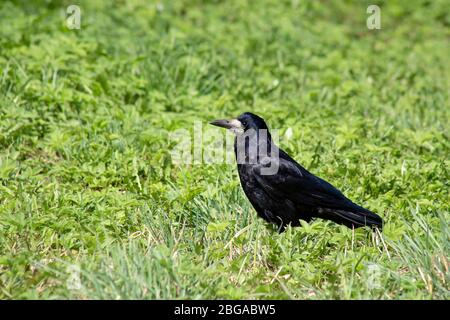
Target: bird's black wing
(298, 185)
(295, 183)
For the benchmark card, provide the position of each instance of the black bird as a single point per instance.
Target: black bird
(280, 189)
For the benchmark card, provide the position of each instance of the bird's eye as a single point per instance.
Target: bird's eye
(244, 123)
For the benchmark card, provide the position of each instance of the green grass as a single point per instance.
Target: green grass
(92, 206)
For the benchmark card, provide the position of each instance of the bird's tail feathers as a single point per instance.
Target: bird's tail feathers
(355, 219)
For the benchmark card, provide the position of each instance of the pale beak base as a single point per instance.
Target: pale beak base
(232, 124)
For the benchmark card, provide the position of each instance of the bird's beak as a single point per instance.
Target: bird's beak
(228, 124)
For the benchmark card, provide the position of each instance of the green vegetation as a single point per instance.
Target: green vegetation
(88, 187)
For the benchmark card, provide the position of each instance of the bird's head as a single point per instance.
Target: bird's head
(241, 124)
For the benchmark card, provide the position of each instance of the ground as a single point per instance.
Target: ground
(92, 204)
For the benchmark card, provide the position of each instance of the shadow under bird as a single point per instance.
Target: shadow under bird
(281, 190)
